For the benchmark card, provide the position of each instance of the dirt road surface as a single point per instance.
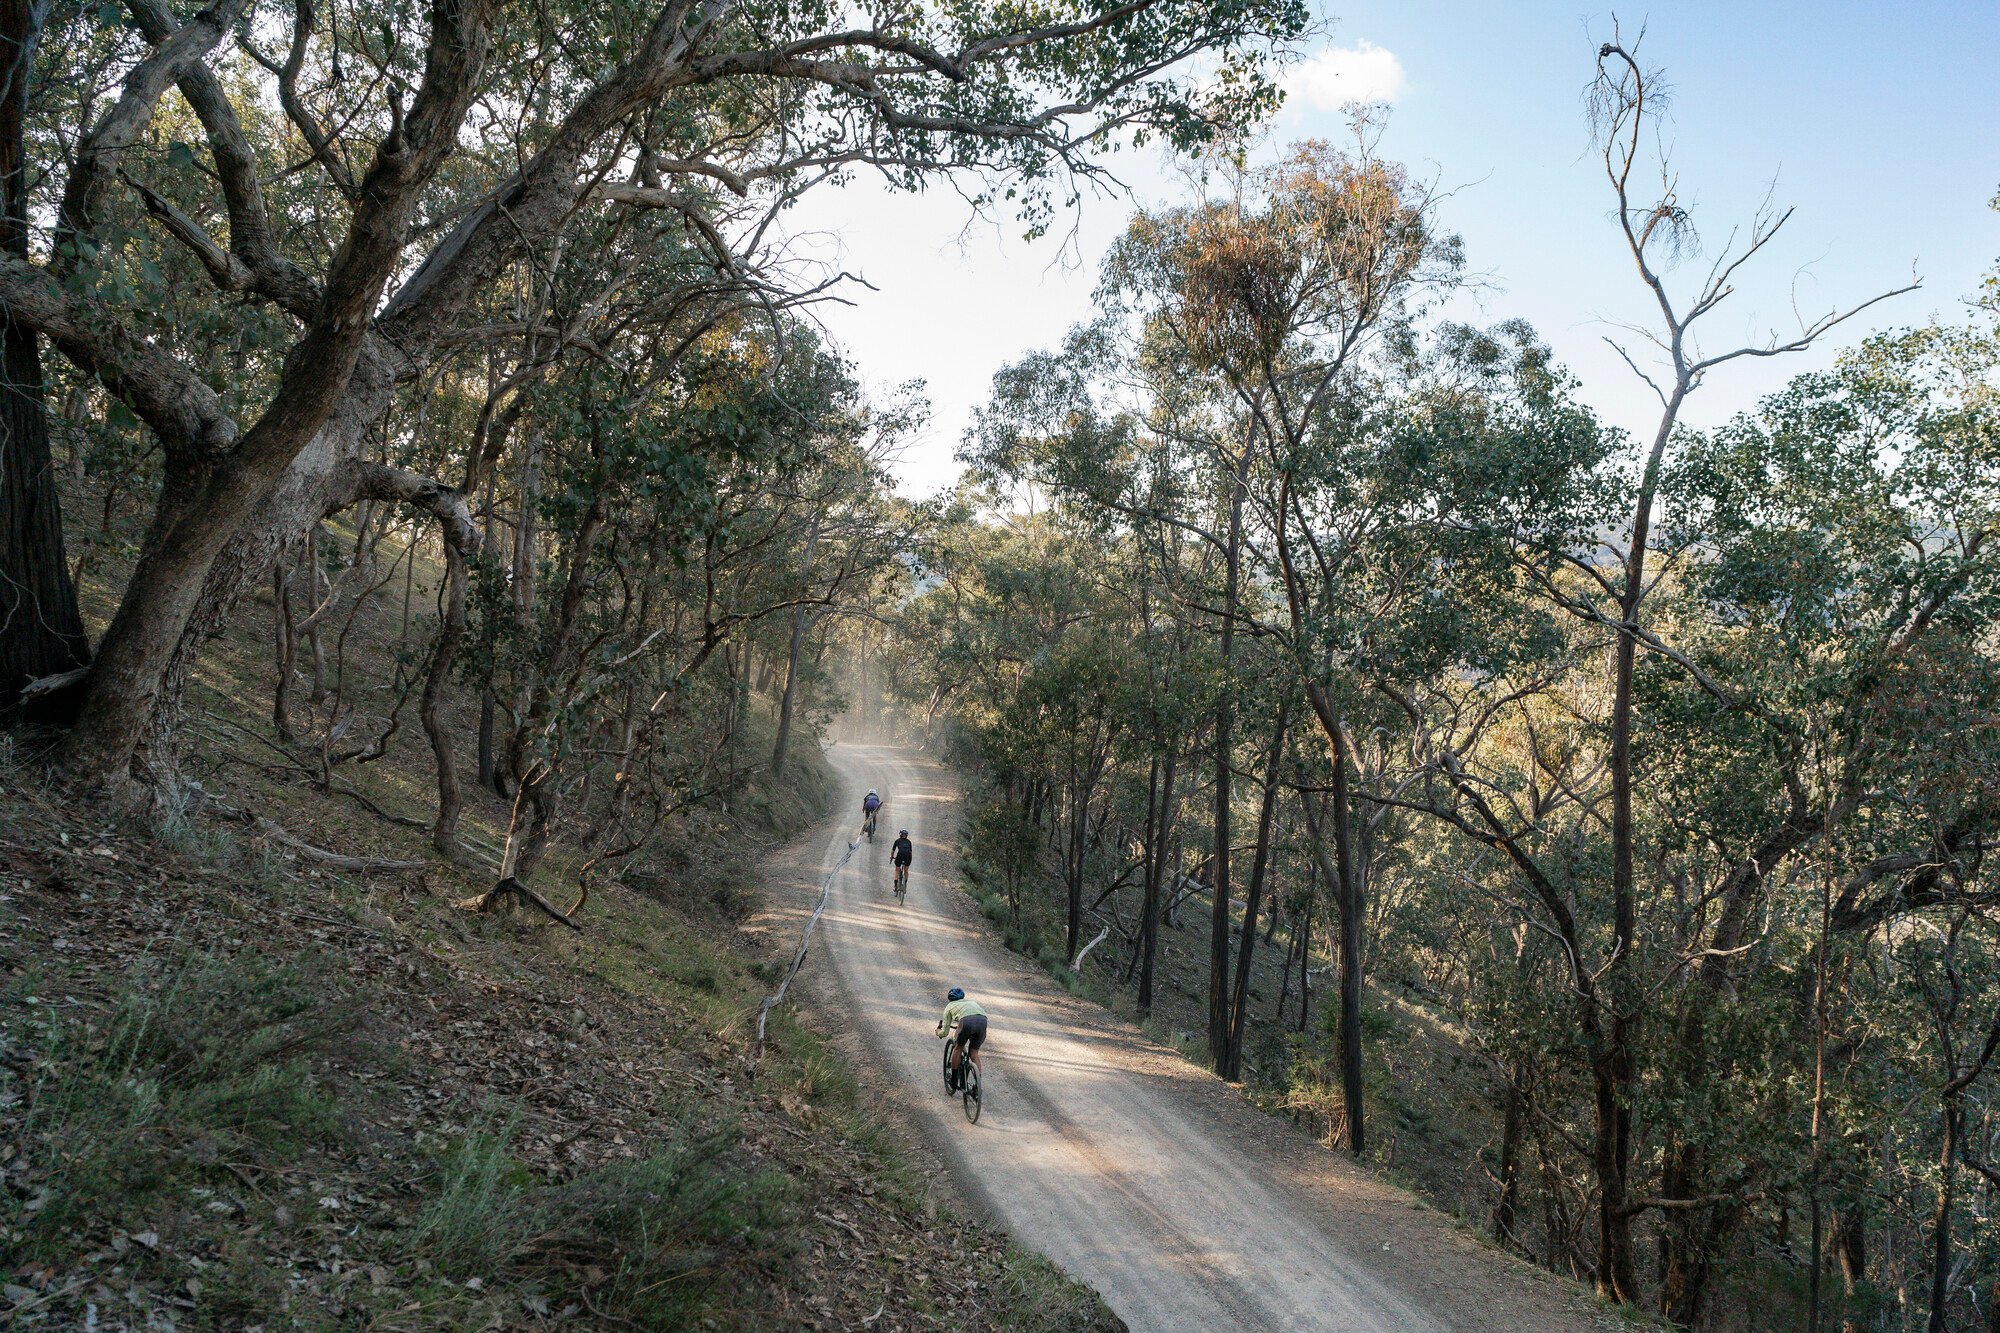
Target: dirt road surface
(1142, 1175)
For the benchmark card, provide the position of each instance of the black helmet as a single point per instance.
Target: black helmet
(955, 993)
(904, 834)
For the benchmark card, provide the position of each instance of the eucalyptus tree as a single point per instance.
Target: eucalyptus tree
(677, 502)
(1839, 544)
(850, 535)
(471, 138)
(1221, 288)
(1612, 593)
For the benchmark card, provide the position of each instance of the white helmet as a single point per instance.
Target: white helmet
(871, 791)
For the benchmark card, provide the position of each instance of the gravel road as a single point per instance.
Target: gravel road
(1145, 1177)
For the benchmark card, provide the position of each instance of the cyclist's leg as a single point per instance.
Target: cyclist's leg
(966, 1049)
(973, 1034)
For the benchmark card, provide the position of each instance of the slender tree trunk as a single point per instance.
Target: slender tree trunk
(1156, 875)
(787, 699)
(315, 570)
(1220, 1010)
(1079, 825)
(801, 618)
(1348, 905)
(444, 832)
(1285, 977)
(409, 604)
(1813, 1179)
(525, 569)
(535, 774)
(489, 773)
(1506, 1208)
(1850, 1245)
(488, 703)
(1616, 1273)
(1305, 965)
(1952, 1130)
(1145, 864)
(739, 713)
(732, 664)
(76, 412)
(1261, 860)
(1353, 912)
(1614, 1070)
(287, 645)
(525, 575)
(1298, 944)
(41, 630)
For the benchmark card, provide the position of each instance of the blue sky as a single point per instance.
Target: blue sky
(1875, 121)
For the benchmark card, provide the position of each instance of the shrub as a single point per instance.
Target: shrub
(203, 1056)
(665, 1231)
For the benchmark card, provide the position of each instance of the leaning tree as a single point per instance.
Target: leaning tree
(450, 145)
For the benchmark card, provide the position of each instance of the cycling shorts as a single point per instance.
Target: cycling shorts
(972, 1031)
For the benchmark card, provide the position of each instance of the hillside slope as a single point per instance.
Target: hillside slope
(243, 1089)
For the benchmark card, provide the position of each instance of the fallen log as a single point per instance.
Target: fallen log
(1076, 963)
(777, 997)
(492, 898)
(278, 833)
(44, 686)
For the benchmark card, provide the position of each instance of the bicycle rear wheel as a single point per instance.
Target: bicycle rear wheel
(971, 1097)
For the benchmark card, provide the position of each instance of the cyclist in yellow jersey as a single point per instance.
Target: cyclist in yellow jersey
(970, 1021)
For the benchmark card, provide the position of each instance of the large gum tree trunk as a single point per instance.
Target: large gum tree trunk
(210, 540)
(320, 481)
(41, 631)
(216, 537)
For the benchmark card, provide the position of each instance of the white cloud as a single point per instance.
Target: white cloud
(1340, 75)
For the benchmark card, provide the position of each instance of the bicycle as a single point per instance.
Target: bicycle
(969, 1092)
(902, 882)
(868, 825)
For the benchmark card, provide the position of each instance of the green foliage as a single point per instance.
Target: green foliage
(1433, 528)
(669, 1228)
(203, 1056)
